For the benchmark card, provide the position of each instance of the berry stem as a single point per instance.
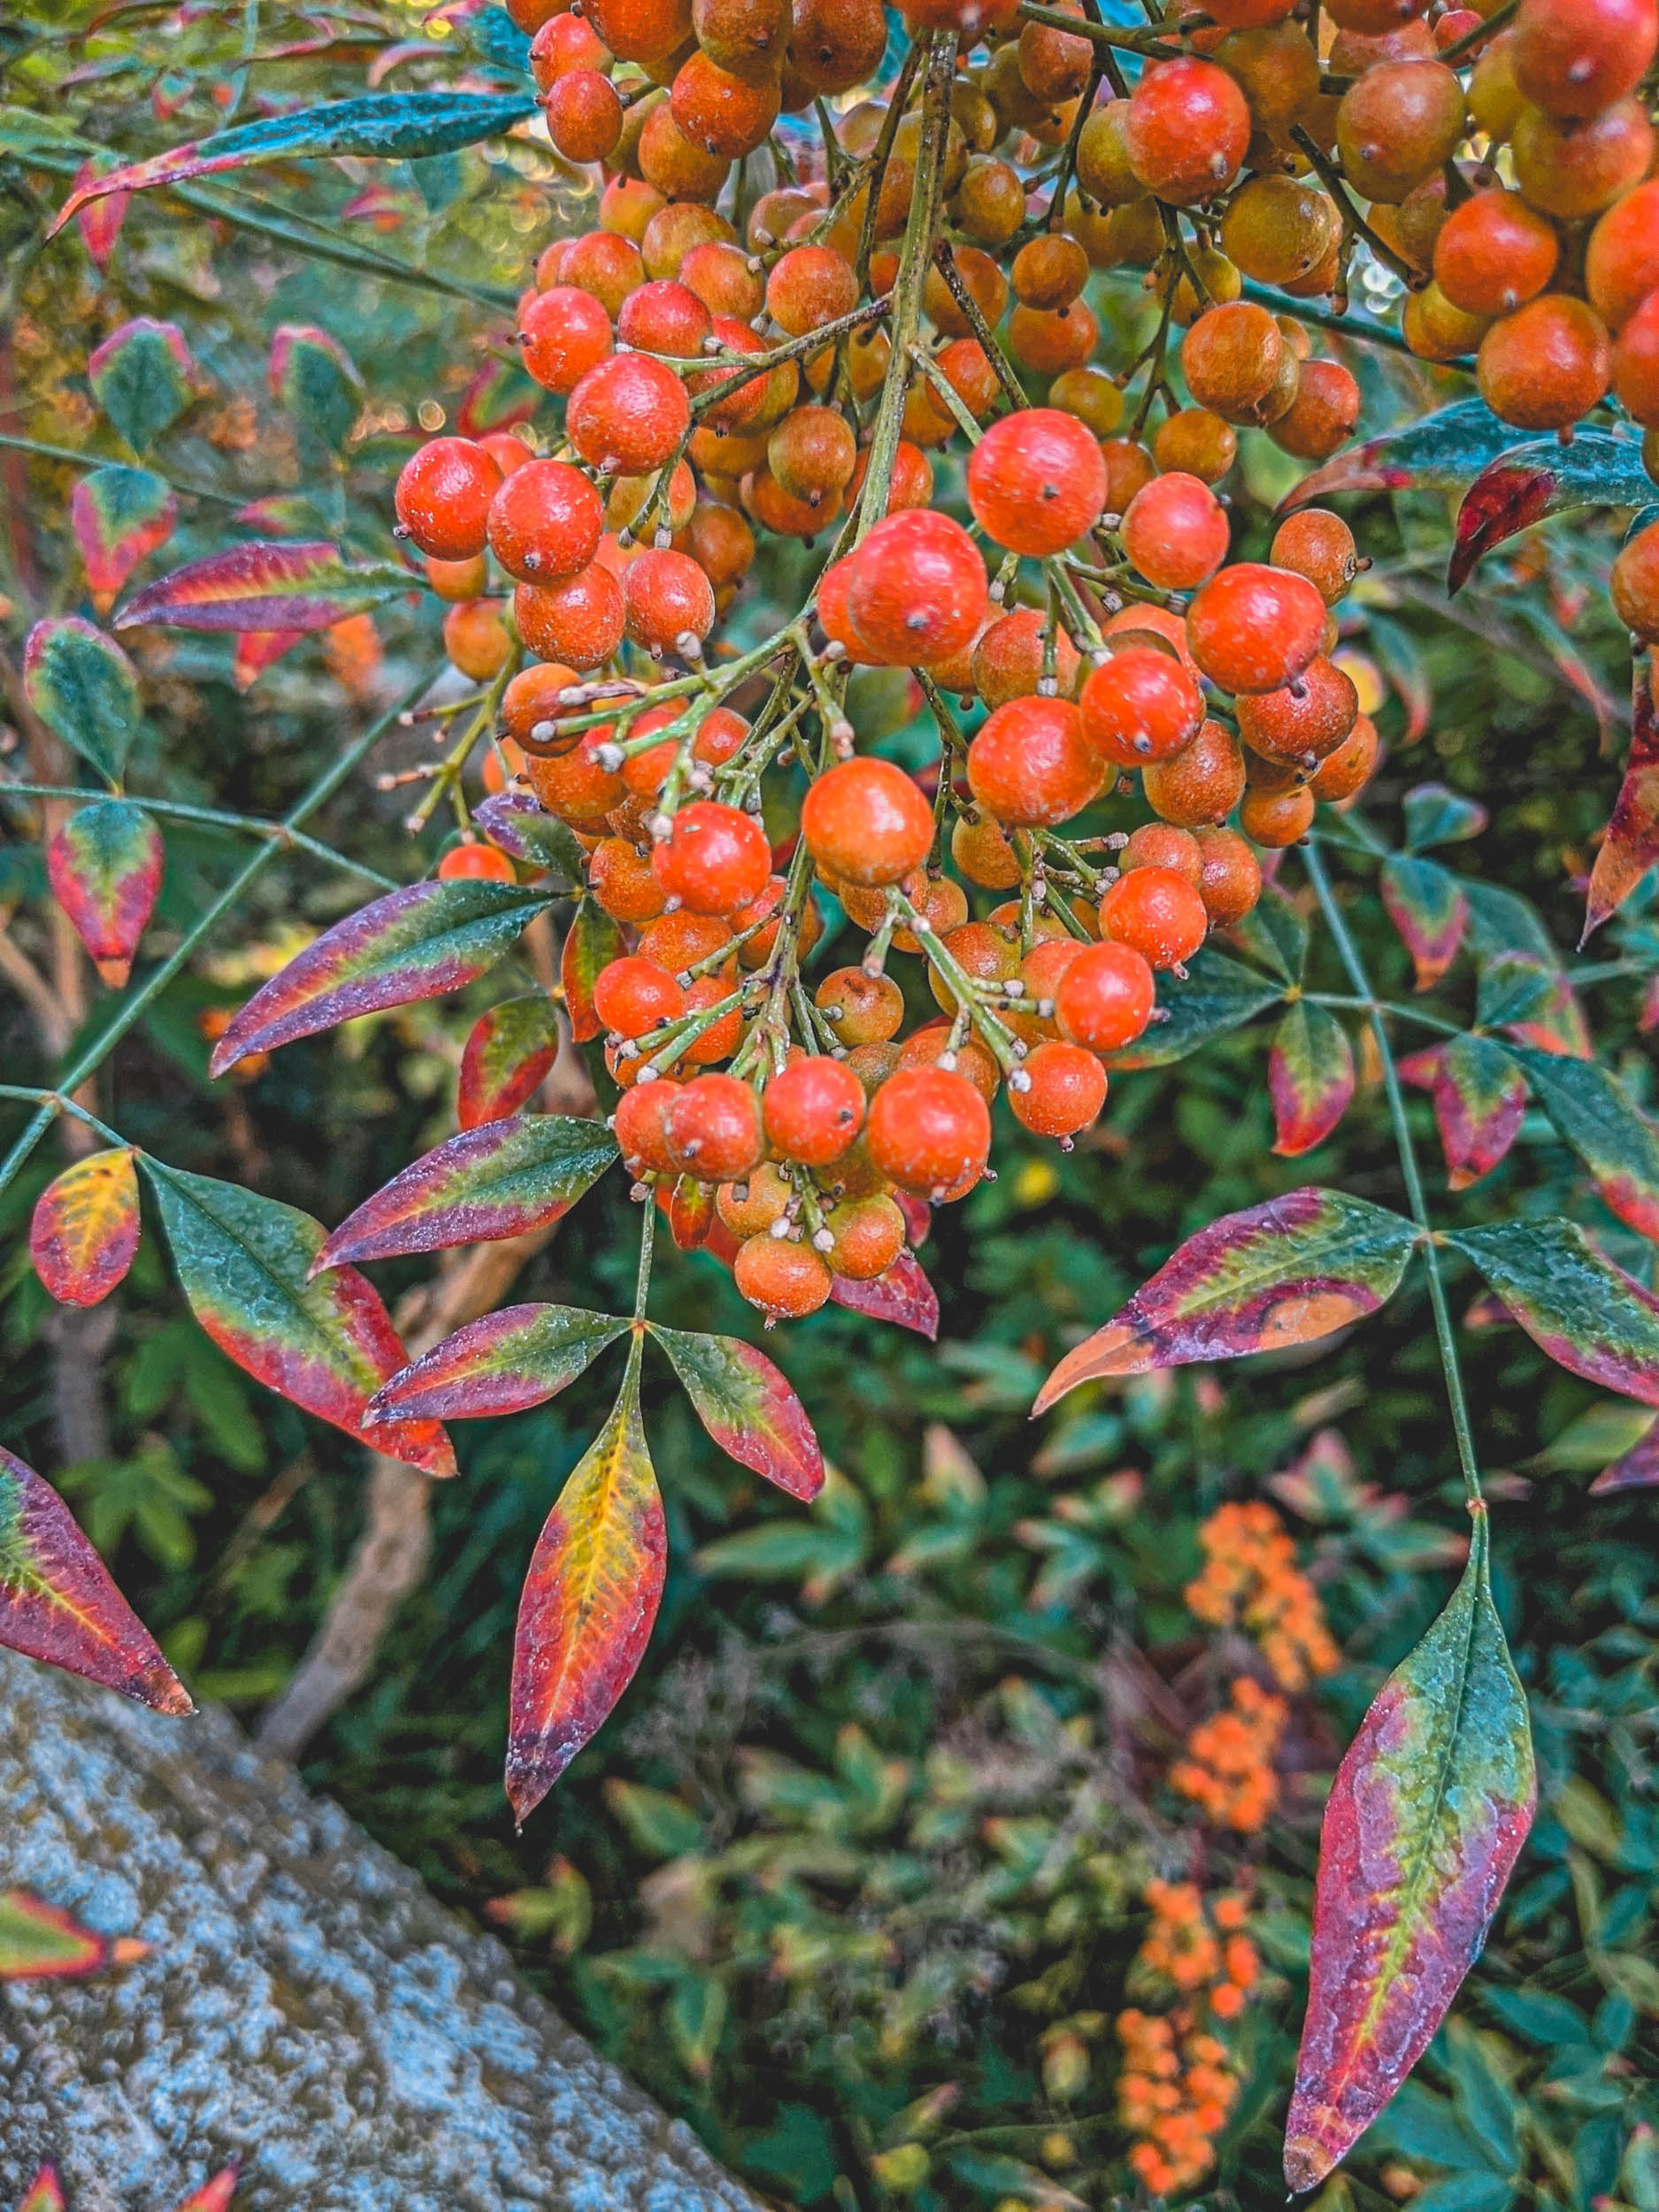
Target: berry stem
(1349, 952)
(1126, 42)
(642, 1279)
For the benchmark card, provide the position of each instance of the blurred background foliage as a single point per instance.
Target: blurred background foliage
(857, 1880)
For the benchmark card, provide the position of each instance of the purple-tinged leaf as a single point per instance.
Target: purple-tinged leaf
(104, 864)
(415, 943)
(1435, 816)
(1589, 1315)
(589, 1601)
(503, 1363)
(1637, 1470)
(42, 1943)
(57, 1603)
(85, 1229)
(1287, 1273)
(1428, 908)
(1439, 452)
(142, 376)
(85, 689)
(119, 515)
(45, 2193)
(265, 586)
(99, 221)
(1427, 1814)
(1218, 994)
(1545, 477)
(1594, 1113)
(691, 1214)
(515, 821)
(259, 649)
(1479, 1098)
(327, 1344)
(499, 396)
(1630, 845)
(903, 1296)
(316, 379)
(506, 1058)
(1309, 1078)
(747, 1408)
(501, 1179)
(387, 126)
(592, 943)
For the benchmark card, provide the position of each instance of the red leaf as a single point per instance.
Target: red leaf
(99, 222)
(1630, 846)
(1638, 1469)
(590, 1603)
(1309, 1078)
(119, 515)
(213, 2195)
(1479, 1098)
(1429, 909)
(593, 941)
(691, 1212)
(44, 2193)
(41, 1942)
(903, 1295)
(1504, 498)
(272, 585)
(505, 1059)
(104, 864)
(84, 1228)
(57, 1603)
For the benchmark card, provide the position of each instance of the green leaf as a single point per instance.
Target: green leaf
(1429, 909)
(386, 126)
(1589, 1315)
(1592, 1112)
(1503, 921)
(1218, 995)
(85, 689)
(1428, 1812)
(1439, 452)
(317, 380)
(141, 375)
(747, 1409)
(1514, 987)
(1274, 933)
(1435, 816)
(663, 1827)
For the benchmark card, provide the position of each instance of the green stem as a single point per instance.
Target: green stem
(212, 818)
(1347, 952)
(114, 460)
(27, 1095)
(647, 1237)
(1385, 1006)
(317, 794)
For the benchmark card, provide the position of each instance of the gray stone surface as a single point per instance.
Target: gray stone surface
(308, 2008)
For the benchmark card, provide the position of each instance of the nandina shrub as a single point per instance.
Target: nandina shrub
(1047, 772)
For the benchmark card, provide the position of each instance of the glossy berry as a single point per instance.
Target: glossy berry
(868, 1236)
(1030, 765)
(1575, 58)
(786, 1281)
(865, 822)
(1161, 845)
(1156, 913)
(1304, 721)
(443, 497)
(628, 414)
(476, 639)
(632, 996)
(1546, 365)
(532, 706)
(928, 1129)
(860, 1008)
(1253, 628)
(1621, 262)
(1634, 585)
(564, 333)
(916, 588)
(1065, 1089)
(1140, 706)
(1493, 253)
(1106, 997)
(669, 603)
(1187, 129)
(714, 860)
(545, 522)
(1036, 482)
(1319, 546)
(1176, 532)
(1203, 782)
(1277, 818)
(580, 622)
(641, 1125)
(476, 864)
(812, 1109)
(713, 1129)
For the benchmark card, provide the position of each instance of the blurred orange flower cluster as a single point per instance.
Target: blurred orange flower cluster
(1228, 1769)
(1251, 1581)
(1176, 2086)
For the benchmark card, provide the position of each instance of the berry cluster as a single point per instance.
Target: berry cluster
(1251, 1581)
(1228, 1771)
(1177, 2087)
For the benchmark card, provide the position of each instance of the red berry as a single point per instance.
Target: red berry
(1157, 913)
(565, 333)
(785, 1280)
(545, 522)
(1106, 997)
(865, 822)
(641, 1122)
(482, 864)
(628, 415)
(664, 317)
(1036, 482)
(916, 589)
(1252, 627)
(1030, 765)
(584, 115)
(580, 622)
(1140, 706)
(442, 497)
(715, 859)
(668, 601)
(928, 1129)
(713, 1129)
(1574, 57)
(812, 1109)
(1064, 1091)
(1187, 129)
(632, 996)
(1175, 531)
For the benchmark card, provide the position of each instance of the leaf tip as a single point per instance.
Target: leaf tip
(116, 974)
